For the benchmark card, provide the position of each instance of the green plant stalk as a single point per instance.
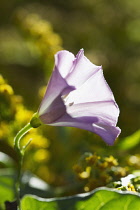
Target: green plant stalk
(19, 135)
(20, 153)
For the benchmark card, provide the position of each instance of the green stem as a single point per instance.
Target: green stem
(19, 135)
(20, 153)
(18, 184)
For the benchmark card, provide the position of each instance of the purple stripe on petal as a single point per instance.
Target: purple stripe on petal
(105, 111)
(56, 87)
(54, 112)
(107, 133)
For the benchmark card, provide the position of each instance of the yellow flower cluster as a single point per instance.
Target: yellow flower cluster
(13, 116)
(39, 34)
(129, 187)
(7, 108)
(95, 171)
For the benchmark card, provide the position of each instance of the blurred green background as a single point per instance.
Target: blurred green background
(31, 32)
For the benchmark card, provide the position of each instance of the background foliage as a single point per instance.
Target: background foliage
(31, 32)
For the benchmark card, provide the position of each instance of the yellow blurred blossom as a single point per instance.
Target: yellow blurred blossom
(4, 130)
(2, 81)
(86, 189)
(95, 171)
(38, 140)
(92, 159)
(23, 115)
(85, 174)
(103, 165)
(41, 34)
(131, 187)
(111, 161)
(120, 171)
(6, 89)
(41, 155)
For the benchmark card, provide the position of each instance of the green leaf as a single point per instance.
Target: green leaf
(99, 199)
(130, 141)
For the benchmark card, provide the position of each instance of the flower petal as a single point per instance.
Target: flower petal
(64, 62)
(55, 111)
(81, 71)
(106, 112)
(57, 83)
(107, 133)
(67, 69)
(79, 96)
(94, 89)
(97, 117)
(57, 86)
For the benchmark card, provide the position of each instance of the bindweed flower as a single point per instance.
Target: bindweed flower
(78, 96)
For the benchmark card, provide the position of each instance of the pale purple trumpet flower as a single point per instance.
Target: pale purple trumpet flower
(78, 96)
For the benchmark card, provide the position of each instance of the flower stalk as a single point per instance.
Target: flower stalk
(18, 137)
(20, 153)
(34, 123)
